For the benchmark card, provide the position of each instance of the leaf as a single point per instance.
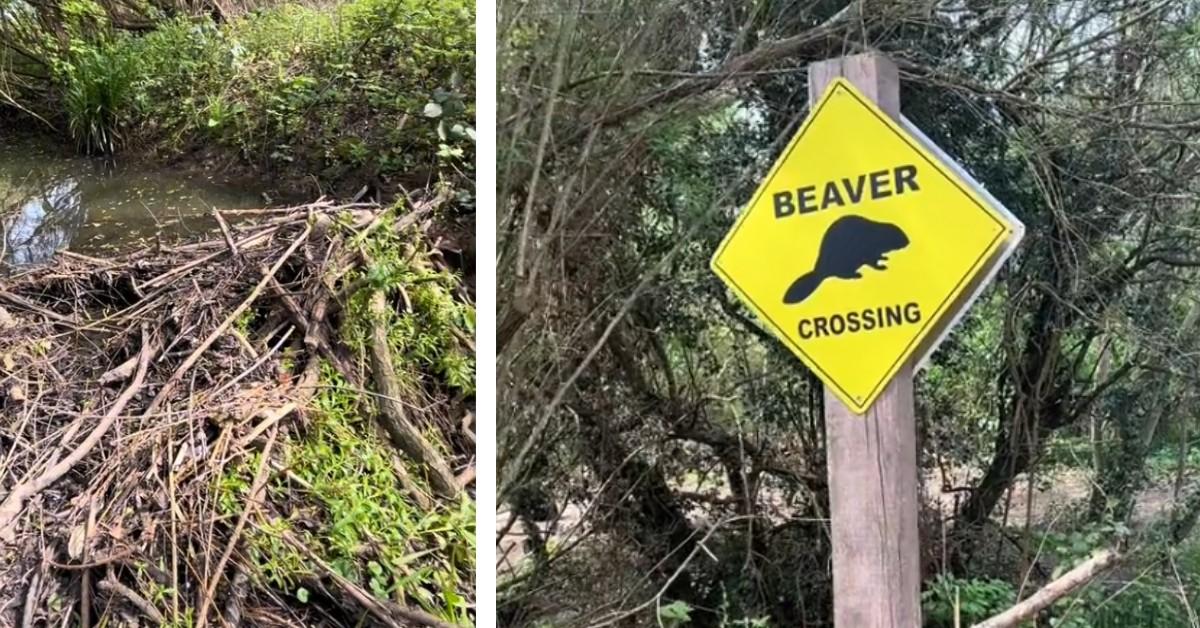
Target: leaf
(75, 542)
(432, 110)
(302, 595)
(678, 610)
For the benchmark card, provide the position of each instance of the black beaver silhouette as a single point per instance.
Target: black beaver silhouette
(850, 243)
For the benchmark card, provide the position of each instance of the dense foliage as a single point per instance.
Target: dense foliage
(649, 425)
(365, 92)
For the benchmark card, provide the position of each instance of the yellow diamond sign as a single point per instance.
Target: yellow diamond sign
(863, 245)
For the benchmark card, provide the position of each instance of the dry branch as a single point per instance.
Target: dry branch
(12, 505)
(1049, 594)
(395, 420)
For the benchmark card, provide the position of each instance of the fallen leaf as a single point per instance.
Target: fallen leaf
(75, 543)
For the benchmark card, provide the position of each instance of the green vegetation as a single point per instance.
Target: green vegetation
(358, 92)
(948, 601)
(426, 336)
(355, 515)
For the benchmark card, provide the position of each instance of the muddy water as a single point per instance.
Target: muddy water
(51, 199)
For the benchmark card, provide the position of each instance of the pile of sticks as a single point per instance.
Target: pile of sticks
(128, 385)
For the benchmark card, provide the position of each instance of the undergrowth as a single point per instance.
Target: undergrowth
(361, 92)
(341, 494)
(353, 513)
(426, 335)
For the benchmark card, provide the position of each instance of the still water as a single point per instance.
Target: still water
(51, 199)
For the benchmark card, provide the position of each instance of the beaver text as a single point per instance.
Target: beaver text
(846, 191)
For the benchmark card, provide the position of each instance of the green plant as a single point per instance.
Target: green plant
(356, 516)
(97, 94)
(949, 601)
(429, 334)
(675, 614)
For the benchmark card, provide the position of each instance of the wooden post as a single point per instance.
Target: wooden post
(872, 459)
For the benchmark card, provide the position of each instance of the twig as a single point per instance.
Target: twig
(226, 233)
(12, 505)
(267, 423)
(31, 601)
(109, 585)
(111, 558)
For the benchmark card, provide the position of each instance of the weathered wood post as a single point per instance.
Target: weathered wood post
(872, 459)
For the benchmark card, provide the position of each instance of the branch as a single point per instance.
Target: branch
(741, 65)
(404, 435)
(1051, 593)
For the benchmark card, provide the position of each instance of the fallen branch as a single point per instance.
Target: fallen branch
(403, 433)
(1051, 593)
(109, 585)
(11, 507)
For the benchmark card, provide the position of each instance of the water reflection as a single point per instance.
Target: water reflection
(51, 200)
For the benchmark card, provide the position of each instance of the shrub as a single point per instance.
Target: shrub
(970, 600)
(97, 91)
(367, 89)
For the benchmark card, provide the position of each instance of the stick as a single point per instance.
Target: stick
(112, 586)
(1049, 594)
(225, 232)
(256, 487)
(404, 434)
(11, 507)
(31, 601)
(191, 360)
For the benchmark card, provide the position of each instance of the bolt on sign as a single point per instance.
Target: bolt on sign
(863, 245)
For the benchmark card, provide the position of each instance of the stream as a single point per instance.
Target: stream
(52, 199)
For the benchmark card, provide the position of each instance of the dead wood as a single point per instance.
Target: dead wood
(400, 428)
(128, 394)
(109, 585)
(1043, 598)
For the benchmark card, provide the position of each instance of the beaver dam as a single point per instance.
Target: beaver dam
(272, 426)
